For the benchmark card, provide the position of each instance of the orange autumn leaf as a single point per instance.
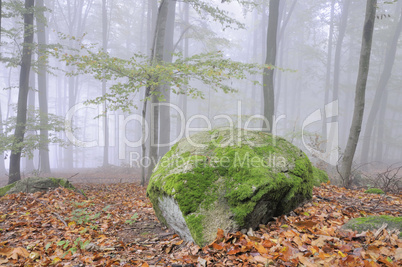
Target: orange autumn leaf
(305, 224)
(217, 246)
(261, 259)
(14, 253)
(260, 248)
(178, 243)
(305, 261)
(220, 234)
(323, 255)
(6, 251)
(234, 251)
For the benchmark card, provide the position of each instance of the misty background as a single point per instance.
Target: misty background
(318, 56)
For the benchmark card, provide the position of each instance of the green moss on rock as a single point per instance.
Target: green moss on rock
(374, 222)
(34, 184)
(5, 189)
(374, 191)
(320, 176)
(254, 175)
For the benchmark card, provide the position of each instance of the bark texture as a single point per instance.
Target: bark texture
(15, 157)
(268, 77)
(364, 64)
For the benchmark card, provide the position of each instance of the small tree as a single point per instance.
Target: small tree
(368, 29)
(35, 126)
(19, 133)
(42, 87)
(268, 77)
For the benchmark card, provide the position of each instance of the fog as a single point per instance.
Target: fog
(315, 74)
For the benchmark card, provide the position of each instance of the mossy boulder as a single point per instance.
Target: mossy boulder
(372, 223)
(35, 184)
(320, 176)
(228, 179)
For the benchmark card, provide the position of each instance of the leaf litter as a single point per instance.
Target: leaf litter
(115, 225)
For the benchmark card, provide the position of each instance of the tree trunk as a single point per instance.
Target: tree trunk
(268, 76)
(185, 42)
(69, 151)
(381, 128)
(2, 161)
(151, 25)
(164, 111)
(281, 36)
(156, 56)
(338, 49)
(382, 85)
(15, 157)
(329, 63)
(105, 110)
(151, 35)
(256, 36)
(29, 165)
(44, 161)
(1, 16)
(263, 46)
(364, 64)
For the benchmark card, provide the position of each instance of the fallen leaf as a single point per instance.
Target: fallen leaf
(305, 261)
(261, 259)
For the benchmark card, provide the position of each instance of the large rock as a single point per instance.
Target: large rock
(372, 223)
(35, 184)
(319, 176)
(229, 179)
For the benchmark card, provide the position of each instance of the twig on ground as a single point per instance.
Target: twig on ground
(323, 198)
(60, 218)
(379, 231)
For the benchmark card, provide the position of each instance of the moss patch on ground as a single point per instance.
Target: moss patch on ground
(374, 222)
(374, 191)
(259, 165)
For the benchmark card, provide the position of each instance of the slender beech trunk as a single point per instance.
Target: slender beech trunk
(1, 6)
(263, 40)
(44, 161)
(105, 110)
(28, 162)
(15, 157)
(268, 76)
(329, 64)
(381, 129)
(2, 161)
(185, 42)
(364, 64)
(156, 56)
(256, 43)
(164, 111)
(281, 37)
(381, 88)
(151, 28)
(69, 151)
(338, 49)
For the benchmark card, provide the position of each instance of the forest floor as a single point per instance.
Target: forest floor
(115, 225)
